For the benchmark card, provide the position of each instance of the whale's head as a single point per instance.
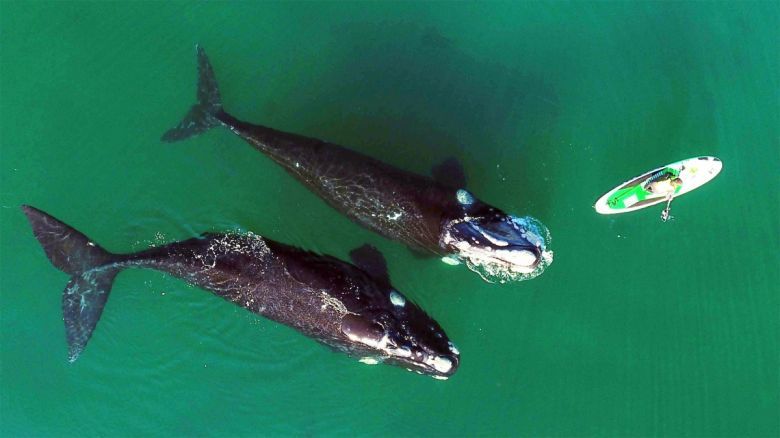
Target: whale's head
(498, 246)
(356, 310)
(401, 334)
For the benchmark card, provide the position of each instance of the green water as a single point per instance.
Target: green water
(638, 328)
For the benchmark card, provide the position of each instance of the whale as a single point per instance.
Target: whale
(431, 215)
(351, 308)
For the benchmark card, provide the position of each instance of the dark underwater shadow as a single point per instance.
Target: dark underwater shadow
(410, 96)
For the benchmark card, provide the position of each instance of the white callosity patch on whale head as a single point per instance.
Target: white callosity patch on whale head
(464, 197)
(439, 363)
(453, 348)
(373, 335)
(397, 299)
(379, 344)
(442, 364)
(400, 352)
(368, 360)
(493, 240)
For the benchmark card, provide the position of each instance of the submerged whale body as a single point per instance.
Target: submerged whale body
(436, 216)
(349, 308)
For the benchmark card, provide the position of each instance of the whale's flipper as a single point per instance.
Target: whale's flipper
(370, 260)
(203, 115)
(449, 173)
(91, 269)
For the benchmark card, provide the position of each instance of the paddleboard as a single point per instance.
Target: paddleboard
(634, 194)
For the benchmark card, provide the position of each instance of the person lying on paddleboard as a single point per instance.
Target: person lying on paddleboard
(665, 183)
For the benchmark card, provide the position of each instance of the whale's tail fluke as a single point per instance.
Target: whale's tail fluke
(92, 270)
(203, 115)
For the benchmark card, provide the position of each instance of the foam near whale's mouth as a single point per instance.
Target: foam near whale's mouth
(500, 247)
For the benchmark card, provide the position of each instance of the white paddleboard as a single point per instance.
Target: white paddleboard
(632, 195)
